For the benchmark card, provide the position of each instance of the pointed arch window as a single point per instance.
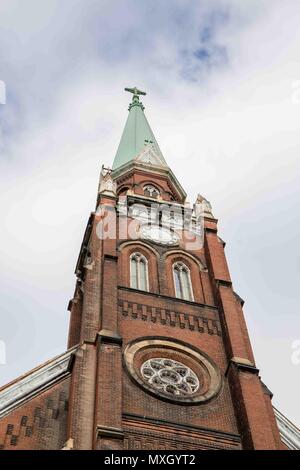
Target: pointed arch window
(139, 272)
(182, 281)
(151, 191)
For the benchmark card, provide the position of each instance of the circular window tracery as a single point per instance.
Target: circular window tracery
(169, 376)
(172, 370)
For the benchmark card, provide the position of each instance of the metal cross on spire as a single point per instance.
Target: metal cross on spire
(135, 91)
(136, 97)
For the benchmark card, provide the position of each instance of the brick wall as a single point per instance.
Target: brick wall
(40, 423)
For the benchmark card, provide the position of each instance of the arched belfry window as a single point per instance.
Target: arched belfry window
(151, 191)
(182, 281)
(139, 272)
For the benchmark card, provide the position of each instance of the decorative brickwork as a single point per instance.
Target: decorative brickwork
(147, 434)
(39, 423)
(199, 324)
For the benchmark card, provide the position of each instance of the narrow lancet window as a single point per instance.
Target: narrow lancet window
(182, 281)
(139, 272)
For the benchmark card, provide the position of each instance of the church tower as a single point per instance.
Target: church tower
(164, 359)
(158, 352)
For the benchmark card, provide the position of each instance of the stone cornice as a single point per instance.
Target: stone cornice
(242, 364)
(156, 170)
(107, 336)
(109, 432)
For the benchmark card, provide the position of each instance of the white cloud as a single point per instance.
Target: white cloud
(228, 131)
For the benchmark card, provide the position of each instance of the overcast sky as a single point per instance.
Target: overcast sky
(223, 99)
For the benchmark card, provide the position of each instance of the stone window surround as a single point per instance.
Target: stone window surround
(147, 347)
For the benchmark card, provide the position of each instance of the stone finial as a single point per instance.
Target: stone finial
(203, 207)
(106, 184)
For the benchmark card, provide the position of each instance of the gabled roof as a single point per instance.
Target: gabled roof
(30, 384)
(137, 135)
(289, 433)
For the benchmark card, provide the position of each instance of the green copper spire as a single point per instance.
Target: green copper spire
(137, 134)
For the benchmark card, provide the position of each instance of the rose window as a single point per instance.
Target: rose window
(169, 376)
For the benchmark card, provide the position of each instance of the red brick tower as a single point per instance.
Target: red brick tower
(165, 360)
(159, 355)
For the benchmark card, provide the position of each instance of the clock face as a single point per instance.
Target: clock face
(159, 234)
